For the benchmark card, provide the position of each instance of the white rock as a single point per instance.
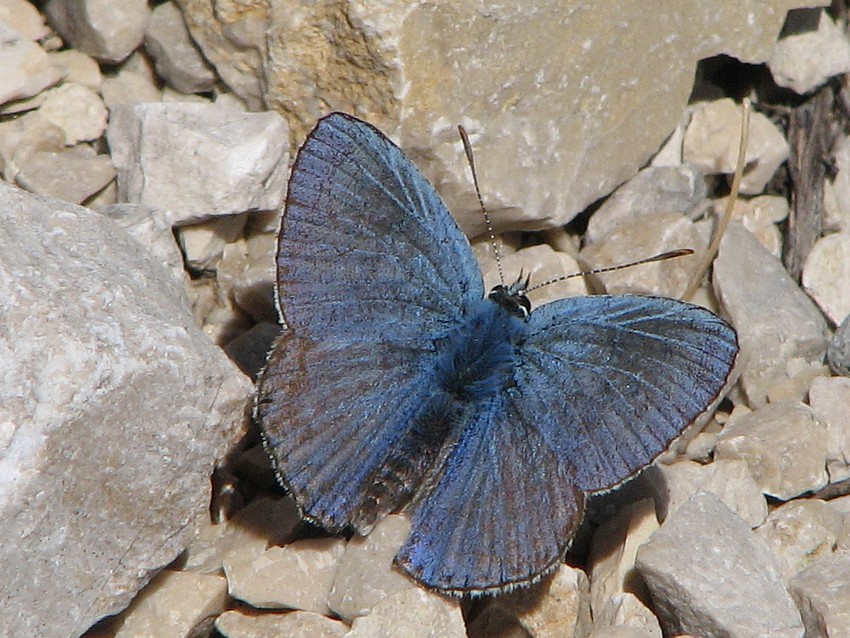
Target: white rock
(826, 274)
(649, 235)
(174, 603)
(838, 352)
(629, 616)
(811, 50)
(175, 55)
(784, 445)
(78, 68)
(413, 613)
(800, 532)
(109, 395)
(760, 215)
(365, 573)
(24, 136)
(244, 537)
(72, 174)
(777, 323)
(711, 576)
(133, 83)
(228, 161)
(665, 189)
(728, 479)
(77, 110)
(203, 243)
(293, 624)
(822, 591)
(26, 67)
(108, 31)
(830, 401)
(24, 18)
(612, 554)
(296, 576)
(836, 192)
(713, 137)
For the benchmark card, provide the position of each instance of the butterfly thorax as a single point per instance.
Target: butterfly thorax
(478, 358)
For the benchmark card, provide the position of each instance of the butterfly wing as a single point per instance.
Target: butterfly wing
(603, 385)
(367, 249)
(371, 268)
(500, 510)
(620, 377)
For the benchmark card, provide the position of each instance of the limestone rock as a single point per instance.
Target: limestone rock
(115, 407)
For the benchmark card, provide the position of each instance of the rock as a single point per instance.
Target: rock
(713, 137)
(176, 58)
(108, 31)
(244, 537)
(213, 181)
(761, 216)
(151, 228)
(612, 556)
(235, 45)
(800, 532)
(412, 613)
(77, 68)
(250, 350)
(293, 624)
(247, 274)
(296, 576)
(838, 352)
(625, 615)
(22, 137)
(116, 407)
(700, 546)
(72, 174)
(650, 235)
(558, 605)
(822, 591)
(658, 189)
(830, 401)
(836, 191)
(365, 574)
(26, 68)
(826, 273)
(203, 243)
(728, 479)
(176, 604)
(23, 17)
(77, 110)
(578, 131)
(811, 49)
(777, 323)
(784, 446)
(133, 83)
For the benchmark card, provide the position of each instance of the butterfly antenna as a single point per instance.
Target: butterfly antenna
(467, 148)
(672, 254)
(712, 249)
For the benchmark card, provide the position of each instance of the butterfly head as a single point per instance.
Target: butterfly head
(512, 298)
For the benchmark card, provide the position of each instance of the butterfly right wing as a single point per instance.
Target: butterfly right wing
(371, 270)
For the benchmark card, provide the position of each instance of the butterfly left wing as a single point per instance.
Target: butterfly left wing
(621, 376)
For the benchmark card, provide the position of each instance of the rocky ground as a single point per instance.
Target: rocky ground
(145, 150)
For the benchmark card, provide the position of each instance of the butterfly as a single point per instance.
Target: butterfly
(398, 385)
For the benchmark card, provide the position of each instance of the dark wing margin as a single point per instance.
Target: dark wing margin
(622, 377)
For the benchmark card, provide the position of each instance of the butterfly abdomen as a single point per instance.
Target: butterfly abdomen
(477, 360)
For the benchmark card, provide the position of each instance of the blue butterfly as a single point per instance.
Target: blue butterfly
(398, 386)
